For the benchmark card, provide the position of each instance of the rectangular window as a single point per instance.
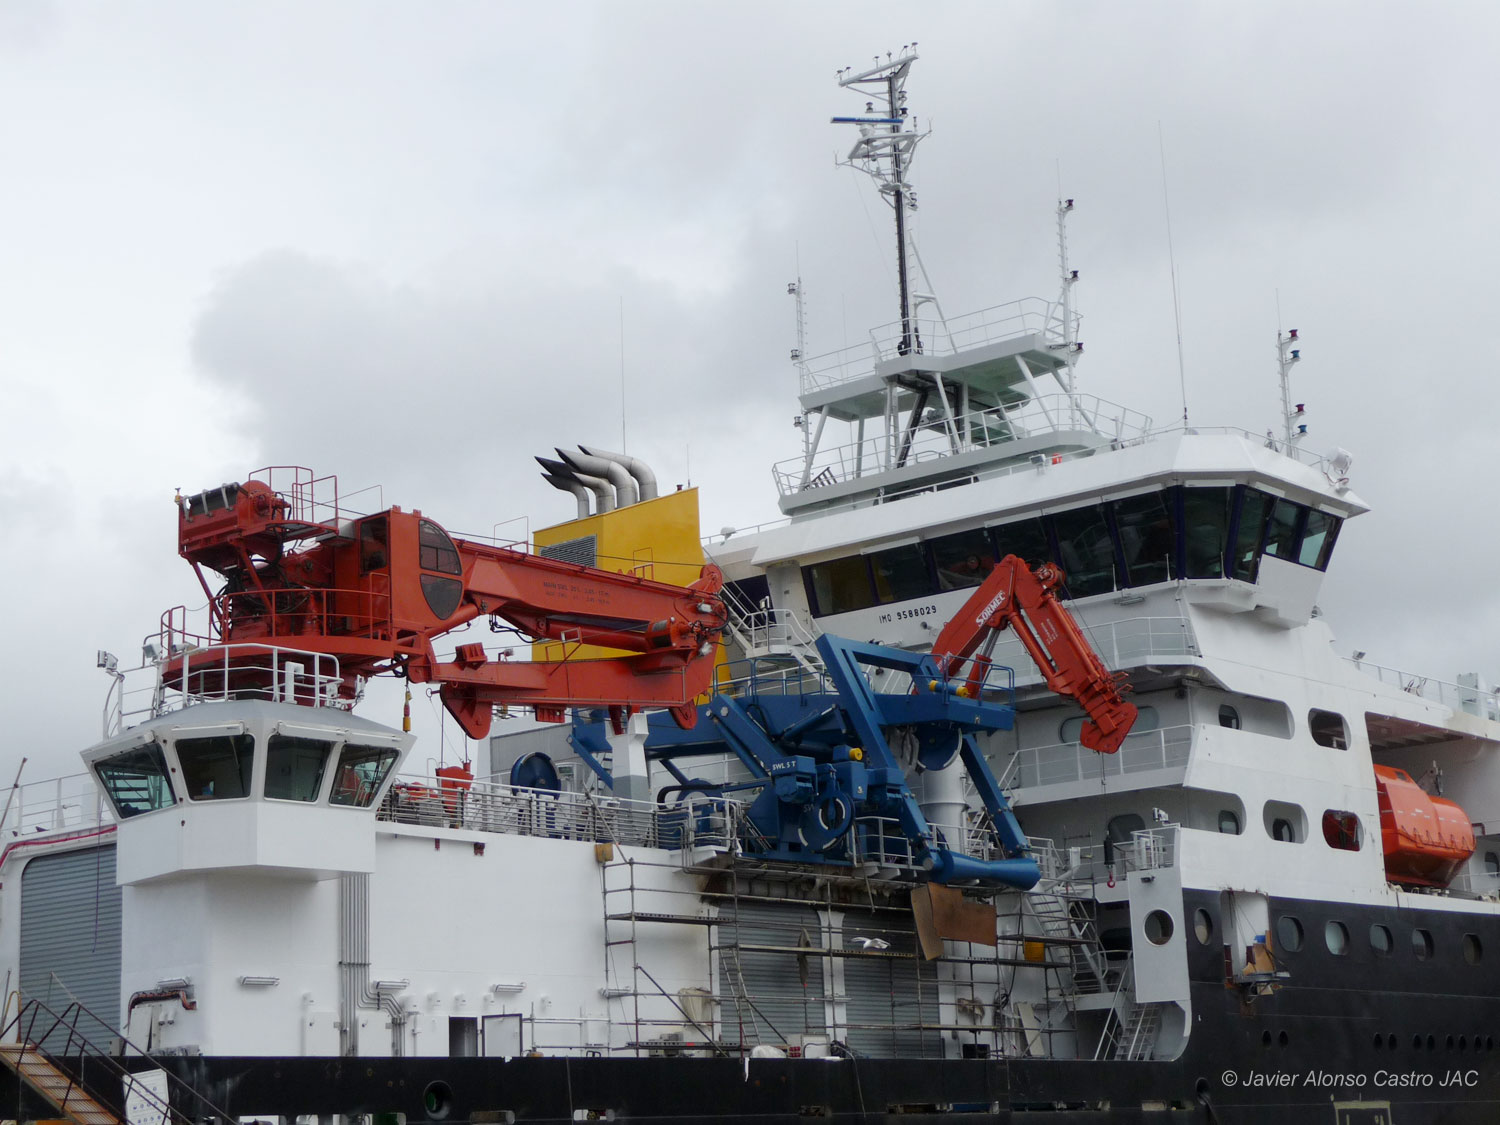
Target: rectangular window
(1086, 551)
(963, 560)
(1205, 523)
(294, 767)
(1314, 537)
(374, 552)
(900, 573)
(840, 586)
(136, 781)
(1148, 538)
(361, 771)
(1282, 531)
(218, 768)
(1331, 538)
(1026, 539)
(1255, 508)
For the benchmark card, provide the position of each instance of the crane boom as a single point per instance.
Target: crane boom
(1025, 600)
(375, 591)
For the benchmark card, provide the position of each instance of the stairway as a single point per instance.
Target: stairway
(38, 1071)
(1138, 1037)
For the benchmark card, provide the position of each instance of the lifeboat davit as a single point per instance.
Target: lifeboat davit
(1426, 839)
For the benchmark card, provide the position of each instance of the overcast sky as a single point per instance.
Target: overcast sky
(395, 242)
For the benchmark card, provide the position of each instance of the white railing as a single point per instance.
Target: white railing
(1120, 644)
(1062, 763)
(766, 632)
(515, 811)
(220, 674)
(980, 429)
(1468, 699)
(1153, 849)
(1026, 317)
(59, 804)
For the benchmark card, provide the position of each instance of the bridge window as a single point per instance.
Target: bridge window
(1255, 509)
(963, 560)
(1026, 539)
(1085, 551)
(1205, 518)
(1316, 535)
(294, 767)
(900, 573)
(218, 768)
(1283, 530)
(840, 585)
(361, 771)
(136, 781)
(1148, 538)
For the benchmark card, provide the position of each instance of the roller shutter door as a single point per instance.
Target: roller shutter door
(769, 997)
(890, 998)
(70, 931)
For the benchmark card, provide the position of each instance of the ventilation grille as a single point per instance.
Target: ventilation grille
(583, 551)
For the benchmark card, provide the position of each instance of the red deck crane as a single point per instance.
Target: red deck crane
(375, 591)
(1025, 600)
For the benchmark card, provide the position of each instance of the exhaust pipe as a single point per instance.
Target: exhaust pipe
(580, 493)
(614, 472)
(645, 478)
(601, 488)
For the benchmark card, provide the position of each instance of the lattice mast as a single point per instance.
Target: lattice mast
(888, 137)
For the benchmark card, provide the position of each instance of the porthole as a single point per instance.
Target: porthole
(1283, 1039)
(1288, 934)
(1284, 822)
(1449, 1043)
(1265, 1038)
(1336, 937)
(1473, 950)
(1158, 927)
(1416, 1042)
(1229, 717)
(1463, 1042)
(1390, 1042)
(1421, 944)
(1379, 1041)
(1203, 926)
(1229, 822)
(1431, 1043)
(1380, 939)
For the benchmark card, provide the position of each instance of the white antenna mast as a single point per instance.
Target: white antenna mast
(1288, 355)
(888, 138)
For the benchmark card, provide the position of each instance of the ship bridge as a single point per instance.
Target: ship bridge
(948, 397)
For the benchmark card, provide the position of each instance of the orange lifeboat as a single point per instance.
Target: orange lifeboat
(1426, 839)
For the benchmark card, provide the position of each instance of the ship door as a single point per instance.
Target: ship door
(502, 1037)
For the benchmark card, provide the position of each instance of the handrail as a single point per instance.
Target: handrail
(980, 429)
(24, 1024)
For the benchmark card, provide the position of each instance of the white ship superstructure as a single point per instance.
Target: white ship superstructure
(1292, 859)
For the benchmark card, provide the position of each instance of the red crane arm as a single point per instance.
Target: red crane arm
(1025, 600)
(376, 591)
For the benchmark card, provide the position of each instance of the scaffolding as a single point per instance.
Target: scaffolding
(815, 962)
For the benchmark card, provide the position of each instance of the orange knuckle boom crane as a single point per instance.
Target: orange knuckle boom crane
(1026, 601)
(375, 591)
